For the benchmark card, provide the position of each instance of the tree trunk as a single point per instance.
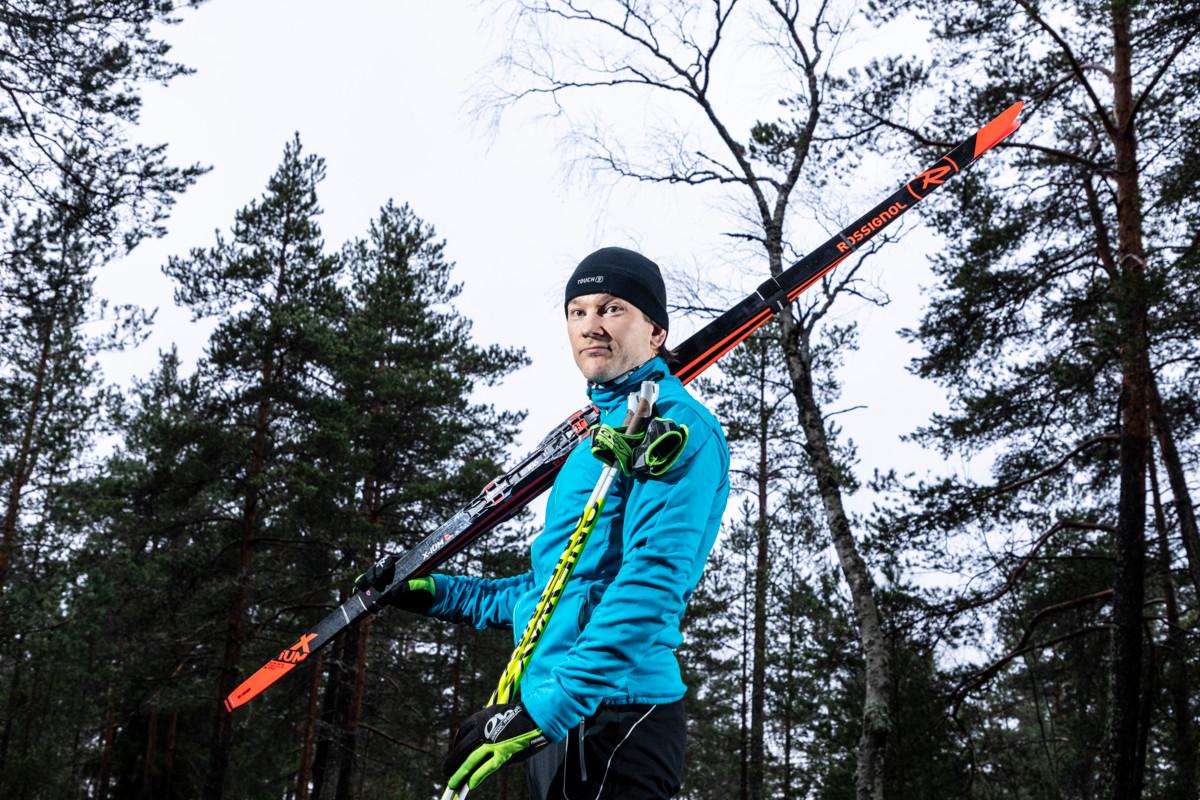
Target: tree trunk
(146, 789)
(222, 736)
(25, 459)
(1184, 786)
(1150, 691)
(310, 730)
(372, 502)
(106, 752)
(352, 709)
(1120, 778)
(10, 706)
(744, 706)
(78, 771)
(872, 743)
(1177, 479)
(169, 755)
(758, 676)
(328, 717)
(788, 699)
(456, 681)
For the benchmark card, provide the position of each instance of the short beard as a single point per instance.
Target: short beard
(604, 377)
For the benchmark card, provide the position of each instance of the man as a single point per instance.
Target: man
(602, 695)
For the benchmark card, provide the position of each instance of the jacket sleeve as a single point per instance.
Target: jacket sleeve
(481, 602)
(666, 539)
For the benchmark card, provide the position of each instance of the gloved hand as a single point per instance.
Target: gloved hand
(489, 739)
(414, 595)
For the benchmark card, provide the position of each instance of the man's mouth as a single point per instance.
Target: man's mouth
(594, 349)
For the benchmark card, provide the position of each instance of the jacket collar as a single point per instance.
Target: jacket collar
(608, 396)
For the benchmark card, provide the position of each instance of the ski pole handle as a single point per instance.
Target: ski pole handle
(639, 415)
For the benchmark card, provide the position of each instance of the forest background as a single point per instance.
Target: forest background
(962, 555)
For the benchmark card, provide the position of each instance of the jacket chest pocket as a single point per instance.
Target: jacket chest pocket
(588, 601)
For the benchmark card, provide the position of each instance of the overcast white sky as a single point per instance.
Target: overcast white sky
(382, 90)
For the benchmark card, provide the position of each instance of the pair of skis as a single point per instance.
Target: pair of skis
(509, 493)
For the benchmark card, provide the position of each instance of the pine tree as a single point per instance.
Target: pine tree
(415, 444)
(753, 405)
(49, 397)
(52, 408)
(780, 684)
(148, 521)
(272, 288)
(69, 73)
(1066, 302)
(711, 661)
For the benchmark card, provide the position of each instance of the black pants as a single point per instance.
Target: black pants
(632, 752)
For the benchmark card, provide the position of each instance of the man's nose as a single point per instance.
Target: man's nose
(593, 325)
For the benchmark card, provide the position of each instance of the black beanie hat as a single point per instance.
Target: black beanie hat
(625, 274)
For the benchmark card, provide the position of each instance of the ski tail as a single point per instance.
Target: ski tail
(726, 331)
(497, 502)
(343, 616)
(258, 683)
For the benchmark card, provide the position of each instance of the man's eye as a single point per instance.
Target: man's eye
(613, 308)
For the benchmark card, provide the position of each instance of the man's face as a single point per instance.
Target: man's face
(610, 336)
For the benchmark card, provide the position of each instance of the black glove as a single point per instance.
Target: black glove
(487, 740)
(414, 595)
(660, 447)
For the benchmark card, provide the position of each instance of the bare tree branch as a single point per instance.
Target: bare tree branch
(1162, 70)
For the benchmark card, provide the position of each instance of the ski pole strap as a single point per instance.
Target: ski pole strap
(643, 454)
(615, 446)
(660, 447)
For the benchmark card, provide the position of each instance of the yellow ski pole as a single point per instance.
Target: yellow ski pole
(641, 409)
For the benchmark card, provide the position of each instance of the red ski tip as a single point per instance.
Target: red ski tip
(997, 129)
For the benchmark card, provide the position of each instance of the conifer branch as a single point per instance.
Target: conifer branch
(1076, 67)
(1010, 582)
(1057, 465)
(986, 674)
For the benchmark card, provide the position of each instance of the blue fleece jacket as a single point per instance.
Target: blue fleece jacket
(612, 637)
